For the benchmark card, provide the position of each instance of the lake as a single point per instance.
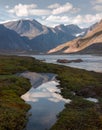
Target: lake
(90, 62)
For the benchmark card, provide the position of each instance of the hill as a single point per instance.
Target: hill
(92, 40)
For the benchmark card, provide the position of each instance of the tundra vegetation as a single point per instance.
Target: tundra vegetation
(75, 84)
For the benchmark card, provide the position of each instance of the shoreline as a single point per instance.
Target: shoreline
(44, 90)
(83, 83)
(37, 79)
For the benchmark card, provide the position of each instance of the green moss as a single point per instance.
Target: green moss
(78, 115)
(12, 108)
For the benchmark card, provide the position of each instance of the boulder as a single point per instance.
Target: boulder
(77, 60)
(86, 92)
(69, 61)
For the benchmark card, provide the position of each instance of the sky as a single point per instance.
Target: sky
(52, 12)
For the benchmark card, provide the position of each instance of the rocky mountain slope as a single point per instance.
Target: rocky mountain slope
(10, 40)
(92, 40)
(42, 38)
(28, 28)
(72, 29)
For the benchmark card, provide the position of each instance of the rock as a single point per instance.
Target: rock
(43, 60)
(63, 61)
(69, 61)
(77, 60)
(86, 92)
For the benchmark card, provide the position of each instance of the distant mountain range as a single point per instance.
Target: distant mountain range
(90, 43)
(30, 35)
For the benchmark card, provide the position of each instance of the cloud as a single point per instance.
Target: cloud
(25, 10)
(45, 91)
(98, 1)
(22, 10)
(75, 10)
(53, 6)
(81, 20)
(86, 19)
(55, 14)
(63, 8)
(60, 9)
(39, 12)
(5, 16)
(57, 19)
(7, 6)
(98, 7)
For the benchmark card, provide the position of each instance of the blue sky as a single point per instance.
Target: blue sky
(52, 12)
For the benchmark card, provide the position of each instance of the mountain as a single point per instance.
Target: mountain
(27, 28)
(72, 29)
(10, 40)
(42, 38)
(92, 40)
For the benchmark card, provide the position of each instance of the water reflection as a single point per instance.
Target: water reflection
(43, 114)
(46, 102)
(47, 91)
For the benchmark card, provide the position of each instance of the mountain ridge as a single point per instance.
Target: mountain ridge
(40, 37)
(93, 36)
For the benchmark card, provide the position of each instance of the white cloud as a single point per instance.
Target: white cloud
(47, 90)
(63, 8)
(77, 19)
(7, 6)
(57, 19)
(87, 19)
(75, 10)
(29, 10)
(56, 14)
(39, 12)
(6, 21)
(98, 1)
(53, 6)
(60, 9)
(98, 7)
(81, 20)
(21, 10)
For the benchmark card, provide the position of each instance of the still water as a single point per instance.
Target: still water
(90, 62)
(45, 100)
